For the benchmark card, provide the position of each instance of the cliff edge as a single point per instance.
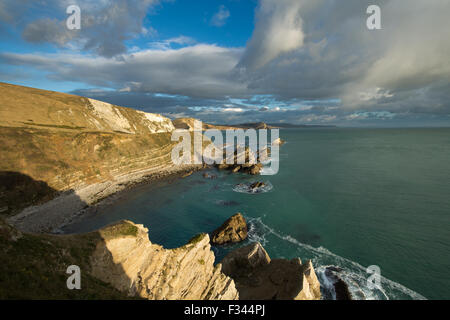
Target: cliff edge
(116, 262)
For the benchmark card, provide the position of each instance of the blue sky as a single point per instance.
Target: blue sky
(232, 61)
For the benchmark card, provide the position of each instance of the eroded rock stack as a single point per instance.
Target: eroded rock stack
(231, 231)
(261, 278)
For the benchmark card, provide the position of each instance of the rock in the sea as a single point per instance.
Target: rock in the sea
(256, 185)
(340, 287)
(253, 169)
(279, 142)
(250, 164)
(236, 169)
(187, 174)
(257, 277)
(231, 231)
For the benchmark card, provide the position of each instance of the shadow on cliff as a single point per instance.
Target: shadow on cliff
(35, 265)
(34, 206)
(18, 191)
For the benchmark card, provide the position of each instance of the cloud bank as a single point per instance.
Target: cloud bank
(310, 61)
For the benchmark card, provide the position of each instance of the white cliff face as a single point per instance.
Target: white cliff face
(113, 118)
(111, 115)
(132, 264)
(157, 123)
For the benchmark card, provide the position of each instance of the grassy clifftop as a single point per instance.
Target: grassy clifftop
(41, 109)
(34, 266)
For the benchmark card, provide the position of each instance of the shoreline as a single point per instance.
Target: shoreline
(73, 205)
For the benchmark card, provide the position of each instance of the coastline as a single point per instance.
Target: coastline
(73, 205)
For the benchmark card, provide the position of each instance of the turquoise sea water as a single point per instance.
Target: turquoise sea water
(344, 197)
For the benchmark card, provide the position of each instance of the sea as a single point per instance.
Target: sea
(355, 199)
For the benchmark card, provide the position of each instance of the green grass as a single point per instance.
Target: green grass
(34, 267)
(197, 238)
(122, 229)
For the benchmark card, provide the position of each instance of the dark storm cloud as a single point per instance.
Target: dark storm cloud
(105, 25)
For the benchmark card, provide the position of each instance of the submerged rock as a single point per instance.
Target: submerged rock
(258, 277)
(207, 175)
(254, 187)
(231, 231)
(227, 203)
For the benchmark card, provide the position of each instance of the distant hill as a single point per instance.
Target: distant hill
(289, 125)
(188, 123)
(255, 125)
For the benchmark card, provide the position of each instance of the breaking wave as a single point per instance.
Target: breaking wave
(353, 274)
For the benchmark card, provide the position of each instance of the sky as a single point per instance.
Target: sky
(239, 61)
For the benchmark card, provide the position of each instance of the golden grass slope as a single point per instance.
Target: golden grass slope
(34, 108)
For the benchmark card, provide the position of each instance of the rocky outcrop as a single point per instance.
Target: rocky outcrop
(253, 187)
(252, 169)
(258, 277)
(278, 142)
(242, 160)
(132, 264)
(233, 230)
(341, 290)
(116, 262)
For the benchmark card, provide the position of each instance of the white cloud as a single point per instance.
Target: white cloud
(167, 44)
(375, 94)
(233, 110)
(200, 70)
(278, 30)
(219, 19)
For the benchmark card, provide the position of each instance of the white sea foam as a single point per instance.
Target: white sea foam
(352, 272)
(245, 188)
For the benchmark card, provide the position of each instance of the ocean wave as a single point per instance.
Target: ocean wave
(353, 274)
